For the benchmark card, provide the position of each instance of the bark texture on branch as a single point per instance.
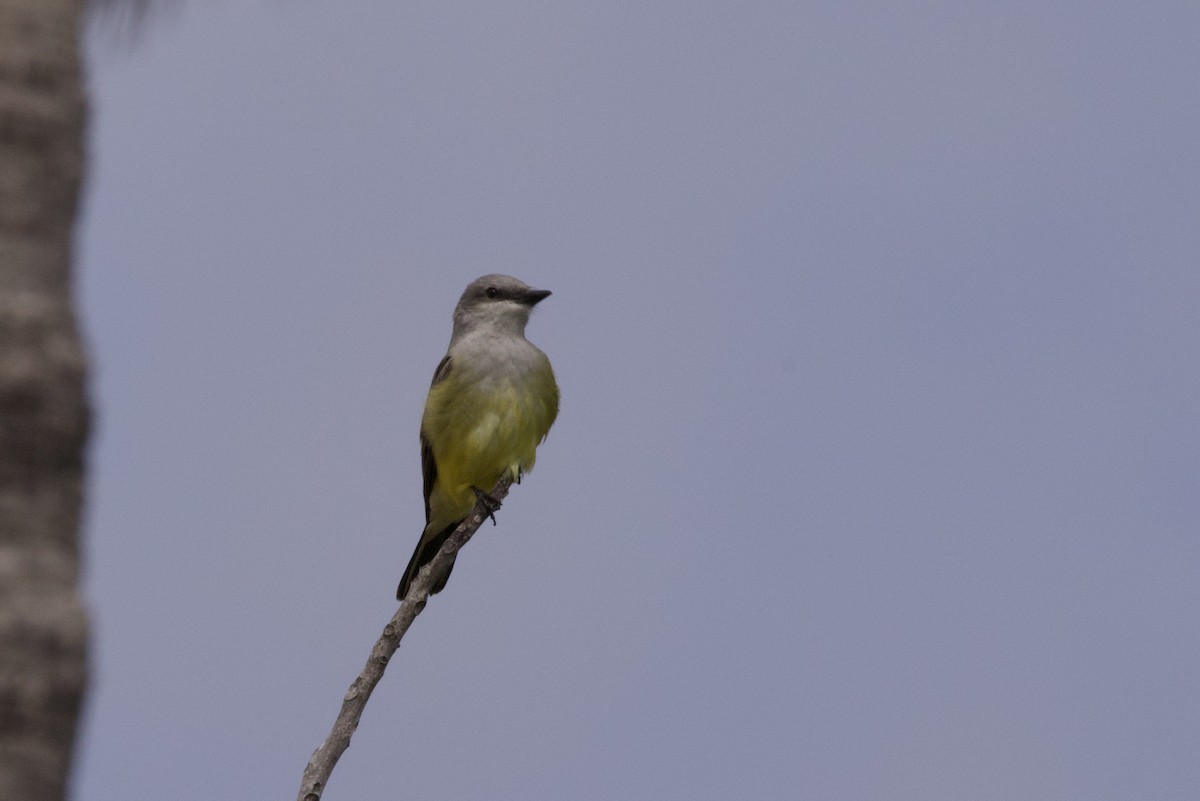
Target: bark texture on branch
(325, 758)
(43, 413)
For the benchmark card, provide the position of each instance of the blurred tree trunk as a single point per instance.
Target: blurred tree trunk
(43, 413)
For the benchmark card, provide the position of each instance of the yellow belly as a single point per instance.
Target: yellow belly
(479, 431)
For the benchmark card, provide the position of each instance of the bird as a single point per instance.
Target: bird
(492, 402)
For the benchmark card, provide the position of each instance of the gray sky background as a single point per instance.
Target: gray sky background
(877, 329)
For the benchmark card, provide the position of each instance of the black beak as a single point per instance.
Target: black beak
(535, 296)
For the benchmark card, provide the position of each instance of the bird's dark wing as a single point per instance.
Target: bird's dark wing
(428, 471)
(428, 463)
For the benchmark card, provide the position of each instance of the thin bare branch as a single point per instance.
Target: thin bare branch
(325, 758)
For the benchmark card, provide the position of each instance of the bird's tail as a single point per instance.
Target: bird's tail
(427, 548)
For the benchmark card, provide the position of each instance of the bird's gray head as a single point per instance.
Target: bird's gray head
(499, 303)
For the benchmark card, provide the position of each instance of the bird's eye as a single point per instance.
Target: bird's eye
(491, 292)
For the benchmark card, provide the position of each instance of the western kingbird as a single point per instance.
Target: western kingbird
(492, 403)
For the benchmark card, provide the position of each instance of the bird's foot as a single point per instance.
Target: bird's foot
(490, 504)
